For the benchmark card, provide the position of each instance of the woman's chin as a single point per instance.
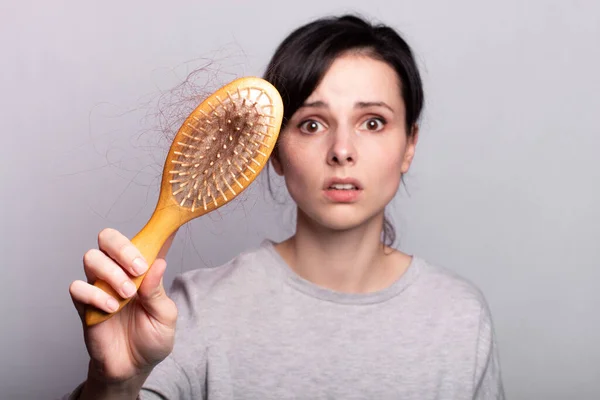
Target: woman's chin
(343, 220)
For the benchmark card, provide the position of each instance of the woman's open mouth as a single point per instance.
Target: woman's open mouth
(342, 190)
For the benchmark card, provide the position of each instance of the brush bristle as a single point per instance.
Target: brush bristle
(215, 150)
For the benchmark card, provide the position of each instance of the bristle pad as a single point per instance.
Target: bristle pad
(215, 148)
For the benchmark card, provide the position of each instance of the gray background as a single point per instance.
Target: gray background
(504, 189)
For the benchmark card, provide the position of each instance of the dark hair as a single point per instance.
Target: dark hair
(303, 58)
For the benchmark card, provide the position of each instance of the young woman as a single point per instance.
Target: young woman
(333, 312)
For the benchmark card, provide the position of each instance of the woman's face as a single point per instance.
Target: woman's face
(344, 151)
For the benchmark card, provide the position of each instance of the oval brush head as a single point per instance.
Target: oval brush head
(219, 150)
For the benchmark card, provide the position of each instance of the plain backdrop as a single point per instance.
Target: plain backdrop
(504, 188)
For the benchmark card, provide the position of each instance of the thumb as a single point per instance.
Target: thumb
(152, 294)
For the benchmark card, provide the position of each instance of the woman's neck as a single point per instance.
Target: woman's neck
(350, 261)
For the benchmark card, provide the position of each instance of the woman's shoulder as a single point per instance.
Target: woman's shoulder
(245, 258)
(246, 271)
(444, 285)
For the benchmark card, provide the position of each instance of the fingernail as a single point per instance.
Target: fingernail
(128, 289)
(112, 304)
(139, 266)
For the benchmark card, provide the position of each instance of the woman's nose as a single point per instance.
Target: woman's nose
(342, 150)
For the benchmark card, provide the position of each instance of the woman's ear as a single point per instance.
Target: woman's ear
(409, 152)
(276, 162)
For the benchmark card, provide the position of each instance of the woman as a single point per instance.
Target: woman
(332, 312)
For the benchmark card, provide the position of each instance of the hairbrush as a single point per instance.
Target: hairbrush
(219, 150)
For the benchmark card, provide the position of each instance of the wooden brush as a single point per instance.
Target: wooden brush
(219, 150)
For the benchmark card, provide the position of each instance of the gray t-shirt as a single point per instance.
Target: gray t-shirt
(253, 329)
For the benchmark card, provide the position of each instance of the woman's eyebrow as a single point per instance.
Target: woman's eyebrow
(366, 104)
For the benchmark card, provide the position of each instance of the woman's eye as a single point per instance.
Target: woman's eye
(310, 126)
(373, 124)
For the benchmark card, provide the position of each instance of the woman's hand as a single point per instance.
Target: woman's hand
(128, 345)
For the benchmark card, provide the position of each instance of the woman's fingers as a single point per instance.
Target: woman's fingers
(83, 293)
(115, 261)
(122, 251)
(98, 265)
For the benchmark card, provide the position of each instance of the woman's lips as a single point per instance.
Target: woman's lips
(343, 195)
(329, 183)
(342, 189)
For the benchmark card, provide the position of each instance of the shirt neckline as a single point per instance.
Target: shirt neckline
(311, 289)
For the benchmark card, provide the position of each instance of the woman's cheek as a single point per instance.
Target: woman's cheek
(294, 170)
(392, 174)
